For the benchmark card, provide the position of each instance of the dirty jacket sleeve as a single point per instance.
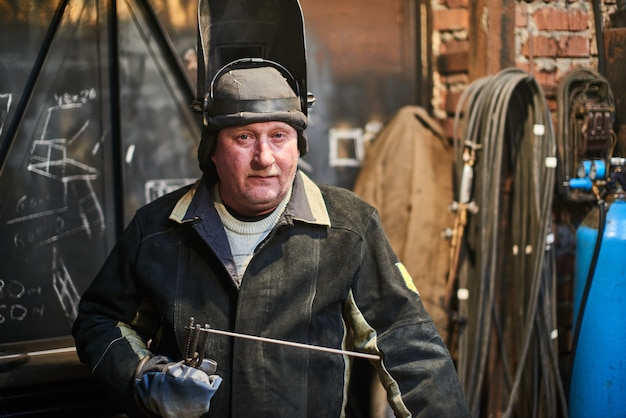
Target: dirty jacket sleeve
(387, 317)
(109, 330)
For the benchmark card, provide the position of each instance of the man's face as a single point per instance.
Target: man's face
(256, 164)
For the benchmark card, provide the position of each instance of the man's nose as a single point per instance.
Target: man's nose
(263, 155)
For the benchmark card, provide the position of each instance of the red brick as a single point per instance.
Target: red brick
(453, 62)
(552, 18)
(452, 19)
(454, 45)
(540, 46)
(524, 66)
(574, 46)
(563, 71)
(452, 4)
(547, 79)
(447, 125)
(443, 97)
(550, 91)
(452, 100)
(455, 79)
(521, 15)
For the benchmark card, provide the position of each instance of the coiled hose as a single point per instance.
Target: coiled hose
(507, 266)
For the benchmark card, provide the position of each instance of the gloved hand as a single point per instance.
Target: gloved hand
(173, 389)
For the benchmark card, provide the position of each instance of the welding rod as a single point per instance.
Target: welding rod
(294, 344)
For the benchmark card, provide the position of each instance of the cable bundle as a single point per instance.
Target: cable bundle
(586, 115)
(507, 351)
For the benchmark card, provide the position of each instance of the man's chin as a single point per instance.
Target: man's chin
(263, 203)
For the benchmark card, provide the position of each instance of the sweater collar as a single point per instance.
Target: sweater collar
(306, 203)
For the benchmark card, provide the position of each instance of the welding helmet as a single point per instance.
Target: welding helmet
(250, 90)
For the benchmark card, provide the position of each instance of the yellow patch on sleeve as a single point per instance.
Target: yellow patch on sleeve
(408, 280)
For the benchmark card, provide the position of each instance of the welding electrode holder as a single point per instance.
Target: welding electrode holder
(195, 344)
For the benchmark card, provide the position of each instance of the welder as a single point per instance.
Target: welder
(255, 247)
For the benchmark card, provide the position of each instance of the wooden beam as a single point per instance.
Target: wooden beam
(492, 37)
(615, 50)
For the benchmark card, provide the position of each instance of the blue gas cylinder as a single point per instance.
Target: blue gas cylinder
(598, 375)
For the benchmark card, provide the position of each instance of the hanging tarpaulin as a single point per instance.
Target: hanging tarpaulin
(407, 176)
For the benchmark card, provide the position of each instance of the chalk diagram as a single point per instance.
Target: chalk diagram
(5, 106)
(61, 201)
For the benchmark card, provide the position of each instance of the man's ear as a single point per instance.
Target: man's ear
(206, 148)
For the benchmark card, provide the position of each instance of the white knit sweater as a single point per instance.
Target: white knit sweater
(245, 236)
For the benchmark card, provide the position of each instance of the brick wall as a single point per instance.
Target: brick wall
(551, 37)
(450, 49)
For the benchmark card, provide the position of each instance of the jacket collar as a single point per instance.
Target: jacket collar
(306, 203)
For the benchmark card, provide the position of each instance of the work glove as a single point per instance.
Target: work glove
(173, 389)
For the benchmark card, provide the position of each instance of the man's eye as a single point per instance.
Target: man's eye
(243, 137)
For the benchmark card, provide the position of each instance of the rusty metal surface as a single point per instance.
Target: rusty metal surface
(492, 24)
(615, 49)
(361, 68)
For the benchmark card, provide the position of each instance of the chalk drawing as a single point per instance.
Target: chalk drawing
(49, 159)
(15, 308)
(62, 203)
(63, 286)
(5, 106)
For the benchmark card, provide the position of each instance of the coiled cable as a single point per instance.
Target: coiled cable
(507, 265)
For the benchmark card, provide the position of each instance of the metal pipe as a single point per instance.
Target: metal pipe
(598, 23)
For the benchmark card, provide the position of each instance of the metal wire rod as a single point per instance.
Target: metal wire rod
(294, 344)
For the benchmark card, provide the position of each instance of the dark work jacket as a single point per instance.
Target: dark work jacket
(326, 275)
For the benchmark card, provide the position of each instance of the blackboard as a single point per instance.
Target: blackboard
(96, 120)
(52, 203)
(90, 130)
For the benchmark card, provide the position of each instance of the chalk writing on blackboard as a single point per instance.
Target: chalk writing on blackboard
(5, 106)
(58, 202)
(13, 292)
(71, 179)
(64, 287)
